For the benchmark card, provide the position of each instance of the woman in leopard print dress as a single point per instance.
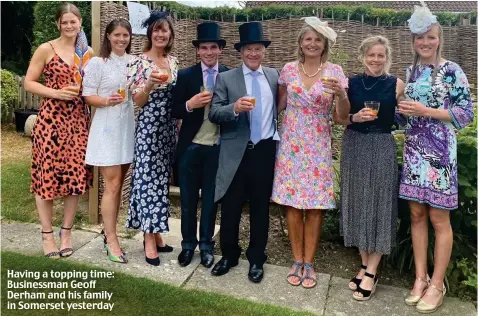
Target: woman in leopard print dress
(61, 131)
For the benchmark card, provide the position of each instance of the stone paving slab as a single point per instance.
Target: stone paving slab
(273, 289)
(173, 238)
(168, 271)
(387, 300)
(27, 238)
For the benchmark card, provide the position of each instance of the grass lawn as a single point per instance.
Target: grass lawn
(17, 202)
(133, 296)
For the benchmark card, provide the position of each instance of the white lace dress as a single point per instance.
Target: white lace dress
(111, 138)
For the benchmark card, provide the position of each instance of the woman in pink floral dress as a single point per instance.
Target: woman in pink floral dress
(304, 177)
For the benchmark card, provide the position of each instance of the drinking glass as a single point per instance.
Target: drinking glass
(251, 98)
(163, 75)
(122, 89)
(374, 106)
(326, 77)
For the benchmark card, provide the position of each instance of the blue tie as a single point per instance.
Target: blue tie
(256, 113)
(210, 79)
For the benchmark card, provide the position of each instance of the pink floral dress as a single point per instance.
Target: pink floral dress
(304, 177)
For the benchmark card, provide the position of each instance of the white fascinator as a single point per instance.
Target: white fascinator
(422, 19)
(321, 27)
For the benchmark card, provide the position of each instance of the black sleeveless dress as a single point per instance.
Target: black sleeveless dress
(369, 169)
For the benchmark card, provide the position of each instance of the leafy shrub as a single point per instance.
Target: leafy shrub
(461, 271)
(45, 29)
(9, 94)
(273, 11)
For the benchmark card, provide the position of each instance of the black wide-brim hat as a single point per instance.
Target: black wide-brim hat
(251, 33)
(209, 32)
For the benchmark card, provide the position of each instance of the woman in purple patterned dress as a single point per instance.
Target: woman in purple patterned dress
(437, 102)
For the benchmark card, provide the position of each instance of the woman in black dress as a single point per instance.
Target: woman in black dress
(369, 170)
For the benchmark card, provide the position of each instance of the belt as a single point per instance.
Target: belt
(251, 145)
(371, 130)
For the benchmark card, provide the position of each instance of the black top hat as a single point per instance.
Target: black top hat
(251, 33)
(209, 32)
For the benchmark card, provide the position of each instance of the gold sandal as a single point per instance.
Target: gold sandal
(425, 308)
(412, 300)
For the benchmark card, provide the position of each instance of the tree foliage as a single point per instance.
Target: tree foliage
(370, 15)
(17, 35)
(45, 28)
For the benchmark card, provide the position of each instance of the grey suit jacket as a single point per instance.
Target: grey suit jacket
(235, 132)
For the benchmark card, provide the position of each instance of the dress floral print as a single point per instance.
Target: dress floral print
(304, 176)
(155, 140)
(429, 172)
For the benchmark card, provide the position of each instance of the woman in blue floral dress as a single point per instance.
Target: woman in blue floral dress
(437, 103)
(155, 135)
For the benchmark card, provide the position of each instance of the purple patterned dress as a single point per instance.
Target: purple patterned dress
(429, 173)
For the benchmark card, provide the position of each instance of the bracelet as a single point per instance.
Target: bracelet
(345, 97)
(429, 115)
(142, 90)
(351, 118)
(107, 102)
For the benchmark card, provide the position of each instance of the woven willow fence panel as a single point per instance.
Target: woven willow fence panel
(460, 46)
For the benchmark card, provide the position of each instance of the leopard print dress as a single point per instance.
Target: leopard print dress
(60, 136)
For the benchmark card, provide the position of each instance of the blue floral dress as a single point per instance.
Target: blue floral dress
(155, 142)
(429, 173)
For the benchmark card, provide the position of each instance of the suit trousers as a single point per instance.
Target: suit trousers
(253, 182)
(197, 170)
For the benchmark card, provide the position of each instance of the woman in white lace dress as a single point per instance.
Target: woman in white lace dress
(111, 138)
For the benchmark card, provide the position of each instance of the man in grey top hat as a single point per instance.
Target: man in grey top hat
(245, 106)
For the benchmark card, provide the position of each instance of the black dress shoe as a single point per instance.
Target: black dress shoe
(222, 266)
(185, 257)
(256, 273)
(207, 258)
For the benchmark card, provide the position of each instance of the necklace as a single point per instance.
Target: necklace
(315, 74)
(379, 79)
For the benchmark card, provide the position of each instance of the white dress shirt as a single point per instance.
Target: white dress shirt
(267, 100)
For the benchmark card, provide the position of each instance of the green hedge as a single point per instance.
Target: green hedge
(45, 28)
(9, 94)
(339, 12)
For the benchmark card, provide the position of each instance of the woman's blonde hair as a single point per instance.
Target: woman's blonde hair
(416, 57)
(371, 41)
(300, 53)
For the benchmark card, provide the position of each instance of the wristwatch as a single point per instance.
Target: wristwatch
(351, 118)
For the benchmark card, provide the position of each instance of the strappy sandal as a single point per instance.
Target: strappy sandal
(298, 265)
(306, 276)
(65, 252)
(425, 308)
(366, 294)
(356, 280)
(412, 300)
(52, 254)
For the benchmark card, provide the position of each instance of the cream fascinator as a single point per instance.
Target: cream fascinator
(321, 27)
(422, 19)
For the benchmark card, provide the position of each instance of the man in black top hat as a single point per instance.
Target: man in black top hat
(197, 151)
(245, 106)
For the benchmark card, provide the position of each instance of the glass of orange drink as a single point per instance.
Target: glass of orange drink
(374, 106)
(122, 90)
